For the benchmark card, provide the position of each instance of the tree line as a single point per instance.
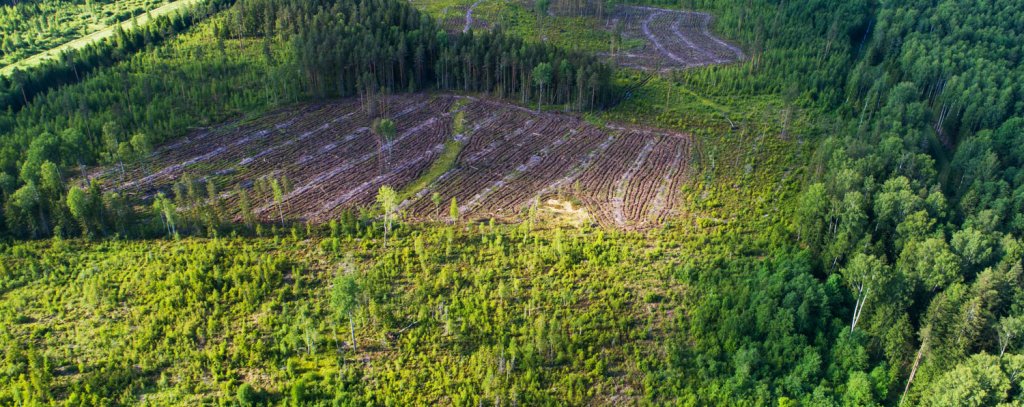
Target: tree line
(368, 47)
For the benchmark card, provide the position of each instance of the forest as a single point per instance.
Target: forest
(846, 228)
(72, 65)
(34, 26)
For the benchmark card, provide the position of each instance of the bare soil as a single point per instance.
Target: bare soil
(673, 39)
(624, 176)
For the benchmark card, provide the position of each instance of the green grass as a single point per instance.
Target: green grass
(584, 34)
(441, 165)
(446, 161)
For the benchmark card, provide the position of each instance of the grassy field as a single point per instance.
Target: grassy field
(97, 36)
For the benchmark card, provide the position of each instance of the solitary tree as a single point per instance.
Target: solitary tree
(142, 147)
(453, 211)
(246, 395)
(436, 199)
(124, 152)
(245, 207)
(388, 200)
(344, 293)
(278, 198)
(385, 129)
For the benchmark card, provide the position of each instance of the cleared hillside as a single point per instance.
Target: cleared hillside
(501, 159)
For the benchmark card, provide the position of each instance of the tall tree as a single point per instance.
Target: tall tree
(275, 188)
(344, 299)
(78, 204)
(541, 7)
(810, 214)
(436, 199)
(142, 147)
(453, 211)
(1010, 331)
(865, 275)
(22, 208)
(385, 130)
(541, 77)
(387, 198)
(245, 207)
(168, 213)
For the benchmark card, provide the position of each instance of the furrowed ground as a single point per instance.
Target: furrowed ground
(506, 159)
(674, 39)
(639, 37)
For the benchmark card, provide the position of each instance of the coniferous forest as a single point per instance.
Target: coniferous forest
(550, 202)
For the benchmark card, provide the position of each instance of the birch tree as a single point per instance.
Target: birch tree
(344, 299)
(865, 275)
(1009, 330)
(387, 198)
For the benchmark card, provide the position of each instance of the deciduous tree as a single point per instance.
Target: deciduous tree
(344, 300)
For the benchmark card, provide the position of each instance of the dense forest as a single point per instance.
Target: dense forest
(884, 268)
(919, 206)
(23, 85)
